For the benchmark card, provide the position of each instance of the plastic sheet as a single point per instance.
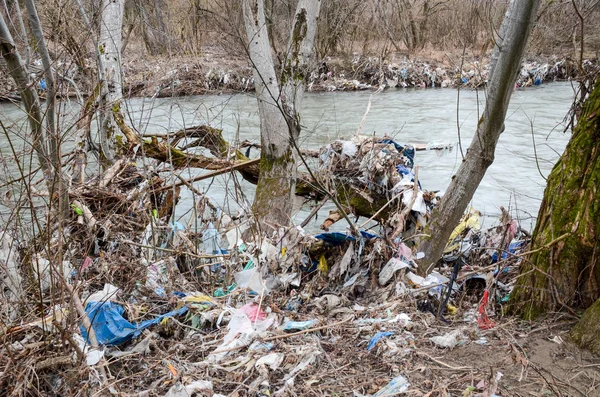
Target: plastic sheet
(376, 338)
(337, 238)
(252, 280)
(349, 148)
(391, 267)
(449, 340)
(112, 328)
(180, 390)
(396, 386)
(254, 312)
(298, 325)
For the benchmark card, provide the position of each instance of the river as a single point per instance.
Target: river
(515, 180)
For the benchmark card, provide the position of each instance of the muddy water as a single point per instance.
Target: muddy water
(515, 180)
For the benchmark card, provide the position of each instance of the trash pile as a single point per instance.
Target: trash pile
(375, 176)
(142, 304)
(355, 74)
(536, 73)
(72, 78)
(374, 73)
(188, 76)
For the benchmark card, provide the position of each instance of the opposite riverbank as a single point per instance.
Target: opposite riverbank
(217, 72)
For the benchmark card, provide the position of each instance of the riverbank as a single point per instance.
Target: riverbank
(215, 72)
(173, 314)
(179, 312)
(195, 76)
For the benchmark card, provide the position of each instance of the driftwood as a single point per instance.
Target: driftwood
(344, 177)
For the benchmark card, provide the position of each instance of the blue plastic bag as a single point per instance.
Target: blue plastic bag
(407, 150)
(338, 238)
(376, 338)
(112, 328)
(512, 249)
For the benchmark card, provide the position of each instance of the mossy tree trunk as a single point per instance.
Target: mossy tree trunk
(109, 64)
(586, 332)
(564, 269)
(278, 105)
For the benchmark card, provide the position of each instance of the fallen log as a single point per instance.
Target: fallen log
(357, 197)
(235, 167)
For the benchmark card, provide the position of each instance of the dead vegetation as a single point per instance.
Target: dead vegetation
(213, 309)
(120, 299)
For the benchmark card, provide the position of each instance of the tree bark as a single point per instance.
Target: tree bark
(274, 192)
(509, 49)
(161, 27)
(23, 32)
(109, 47)
(154, 31)
(585, 333)
(564, 269)
(296, 68)
(150, 39)
(130, 20)
(53, 136)
(31, 101)
(279, 121)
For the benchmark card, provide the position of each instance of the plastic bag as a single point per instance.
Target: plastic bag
(397, 385)
(376, 338)
(112, 328)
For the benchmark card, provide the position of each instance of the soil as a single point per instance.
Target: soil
(531, 359)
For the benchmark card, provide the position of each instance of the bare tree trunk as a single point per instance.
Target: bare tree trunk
(99, 93)
(110, 54)
(278, 109)
(299, 55)
(275, 188)
(23, 32)
(150, 39)
(130, 15)
(480, 155)
(154, 30)
(54, 139)
(20, 75)
(166, 44)
(195, 22)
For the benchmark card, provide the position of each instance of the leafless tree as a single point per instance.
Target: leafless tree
(109, 46)
(506, 63)
(18, 71)
(279, 101)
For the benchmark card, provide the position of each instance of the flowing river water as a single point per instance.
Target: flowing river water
(515, 180)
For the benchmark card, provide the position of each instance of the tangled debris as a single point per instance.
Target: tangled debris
(190, 76)
(177, 310)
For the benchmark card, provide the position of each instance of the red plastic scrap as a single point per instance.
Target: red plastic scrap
(483, 320)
